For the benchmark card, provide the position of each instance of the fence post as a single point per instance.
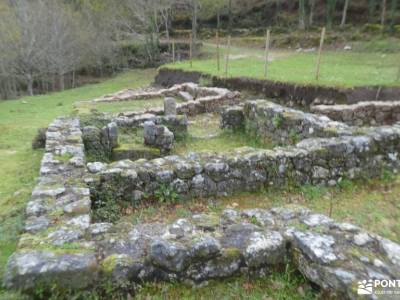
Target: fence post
(321, 45)
(218, 61)
(267, 42)
(227, 56)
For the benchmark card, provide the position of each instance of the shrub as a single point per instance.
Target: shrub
(39, 141)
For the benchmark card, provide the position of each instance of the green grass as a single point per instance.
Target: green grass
(123, 106)
(19, 122)
(370, 204)
(204, 135)
(338, 69)
(286, 285)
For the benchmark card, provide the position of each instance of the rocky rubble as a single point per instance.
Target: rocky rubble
(158, 136)
(287, 125)
(196, 99)
(255, 242)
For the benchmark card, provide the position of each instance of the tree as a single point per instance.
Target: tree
(371, 10)
(383, 13)
(29, 45)
(344, 14)
(330, 11)
(393, 9)
(311, 16)
(302, 14)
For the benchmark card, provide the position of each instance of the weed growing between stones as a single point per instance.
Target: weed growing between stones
(104, 289)
(166, 194)
(105, 207)
(277, 121)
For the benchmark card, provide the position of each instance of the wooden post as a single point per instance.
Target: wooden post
(267, 42)
(191, 50)
(321, 45)
(218, 61)
(173, 51)
(227, 56)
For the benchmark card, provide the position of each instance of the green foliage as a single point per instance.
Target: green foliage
(166, 194)
(345, 184)
(372, 28)
(105, 289)
(294, 136)
(95, 118)
(281, 284)
(313, 192)
(106, 207)
(388, 176)
(277, 121)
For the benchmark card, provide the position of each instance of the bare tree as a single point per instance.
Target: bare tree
(302, 14)
(64, 45)
(29, 46)
(344, 14)
(383, 13)
(311, 16)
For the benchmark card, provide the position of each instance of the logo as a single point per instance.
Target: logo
(365, 287)
(378, 287)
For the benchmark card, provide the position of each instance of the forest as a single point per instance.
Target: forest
(53, 45)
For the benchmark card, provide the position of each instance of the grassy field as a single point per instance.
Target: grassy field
(339, 69)
(87, 107)
(19, 122)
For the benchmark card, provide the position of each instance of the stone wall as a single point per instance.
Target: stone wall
(197, 100)
(283, 125)
(312, 161)
(363, 113)
(54, 246)
(62, 246)
(254, 242)
(291, 94)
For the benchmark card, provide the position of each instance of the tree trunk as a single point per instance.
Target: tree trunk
(302, 14)
(29, 84)
(61, 84)
(73, 78)
(277, 11)
(194, 20)
(330, 11)
(383, 13)
(218, 20)
(311, 16)
(166, 20)
(230, 17)
(344, 14)
(371, 10)
(393, 9)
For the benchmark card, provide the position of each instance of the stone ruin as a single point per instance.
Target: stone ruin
(172, 118)
(61, 245)
(158, 136)
(363, 113)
